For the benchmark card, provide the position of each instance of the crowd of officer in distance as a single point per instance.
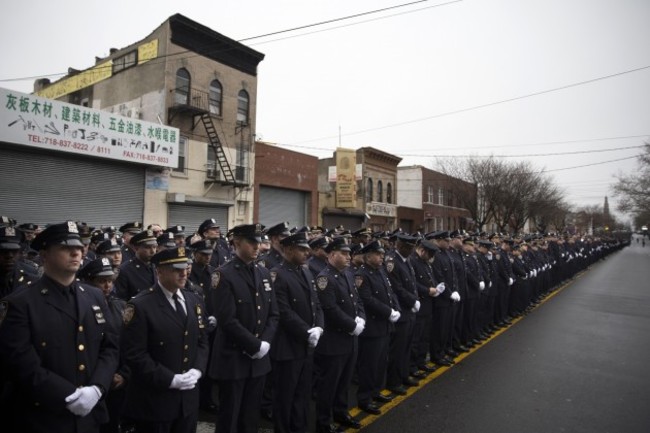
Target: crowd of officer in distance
(137, 328)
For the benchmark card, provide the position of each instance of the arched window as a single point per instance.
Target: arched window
(215, 97)
(242, 107)
(389, 193)
(380, 191)
(369, 190)
(182, 93)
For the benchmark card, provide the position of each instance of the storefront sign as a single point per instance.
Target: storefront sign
(331, 172)
(33, 121)
(381, 209)
(346, 185)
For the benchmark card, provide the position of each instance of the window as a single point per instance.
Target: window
(241, 168)
(182, 92)
(450, 199)
(242, 107)
(215, 97)
(430, 194)
(125, 61)
(389, 193)
(182, 153)
(369, 190)
(441, 196)
(380, 191)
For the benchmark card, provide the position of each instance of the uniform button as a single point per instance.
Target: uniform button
(257, 335)
(259, 321)
(259, 308)
(81, 328)
(185, 359)
(162, 343)
(187, 347)
(43, 344)
(186, 333)
(37, 404)
(81, 348)
(82, 367)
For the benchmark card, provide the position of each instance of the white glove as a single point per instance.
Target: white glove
(481, 285)
(212, 321)
(534, 272)
(416, 307)
(394, 316)
(489, 256)
(360, 320)
(83, 400)
(193, 373)
(510, 281)
(314, 335)
(490, 285)
(183, 382)
(441, 288)
(264, 349)
(530, 274)
(358, 329)
(455, 296)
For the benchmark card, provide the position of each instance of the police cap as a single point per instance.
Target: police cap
(132, 227)
(318, 242)
(298, 239)
(407, 239)
(65, 233)
(166, 240)
(281, 229)
(252, 232)
(174, 257)
(373, 247)
(176, 230)
(205, 246)
(144, 238)
(107, 246)
(429, 246)
(96, 268)
(338, 243)
(208, 224)
(8, 239)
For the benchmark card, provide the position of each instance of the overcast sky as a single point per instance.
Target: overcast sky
(507, 77)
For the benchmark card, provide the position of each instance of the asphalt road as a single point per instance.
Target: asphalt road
(580, 362)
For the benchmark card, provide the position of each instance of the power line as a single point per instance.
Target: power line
(161, 59)
(590, 165)
(478, 107)
(576, 152)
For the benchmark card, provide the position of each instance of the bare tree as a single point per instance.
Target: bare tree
(633, 190)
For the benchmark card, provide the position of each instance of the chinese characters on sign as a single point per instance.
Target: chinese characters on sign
(346, 194)
(33, 121)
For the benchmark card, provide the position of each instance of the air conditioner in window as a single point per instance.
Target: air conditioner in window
(211, 171)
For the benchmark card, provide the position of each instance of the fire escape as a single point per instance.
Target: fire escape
(195, 103)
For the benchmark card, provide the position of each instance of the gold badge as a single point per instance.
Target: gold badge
(129, 312)
(390, 266)
(358, 280)
(321, 282)
(273, 275)
(215, 279)
(199, 315)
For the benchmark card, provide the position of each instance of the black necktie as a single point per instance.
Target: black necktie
(179, 308)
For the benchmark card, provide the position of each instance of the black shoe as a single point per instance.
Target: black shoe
(427, 369)
(419, 374)
(370, 408)
(442, 362)
(452, 353)
(468, 344)
(328, 429)
(209, 407)
(347, 421)
(476, 342)
(399, 390)
(461, 348)
(411, 381)
(381, 398)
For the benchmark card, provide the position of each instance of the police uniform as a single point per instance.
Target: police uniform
(337, 349)
(380, 305)
(402, 278)
(134, 228)
(20, 274)
(163, 339)
(202, 275)
(56, 343)
(274, 257)
(243, 300)
(291, 351)
(221, 253)
(136, 275)
(442, 320)
(315, 263)
(470, 333)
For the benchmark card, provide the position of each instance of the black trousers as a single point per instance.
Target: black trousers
(372, 363)
(292, 380)
(399, 352)
(441, 324)
(420, 345)
(239, 405)
(335, 374)
(179, 425)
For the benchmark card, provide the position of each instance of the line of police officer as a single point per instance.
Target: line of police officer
(271, 329)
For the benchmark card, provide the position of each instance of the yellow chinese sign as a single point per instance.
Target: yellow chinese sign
(346, 184)
(147, 51)
(77, 82)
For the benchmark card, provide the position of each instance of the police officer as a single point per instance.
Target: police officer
(210, 229)
(246, 310)
(128, 230)
(336, 352)
(60, 350)
(275, 233)
(178, 232)
(138, 273)
(109, 249)
(382, 311)
(165, 345)
(202, 271)
(166, 241)
(99, 273)
(318, 259)
(300, 328)
(402, 279)
(12, 273)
